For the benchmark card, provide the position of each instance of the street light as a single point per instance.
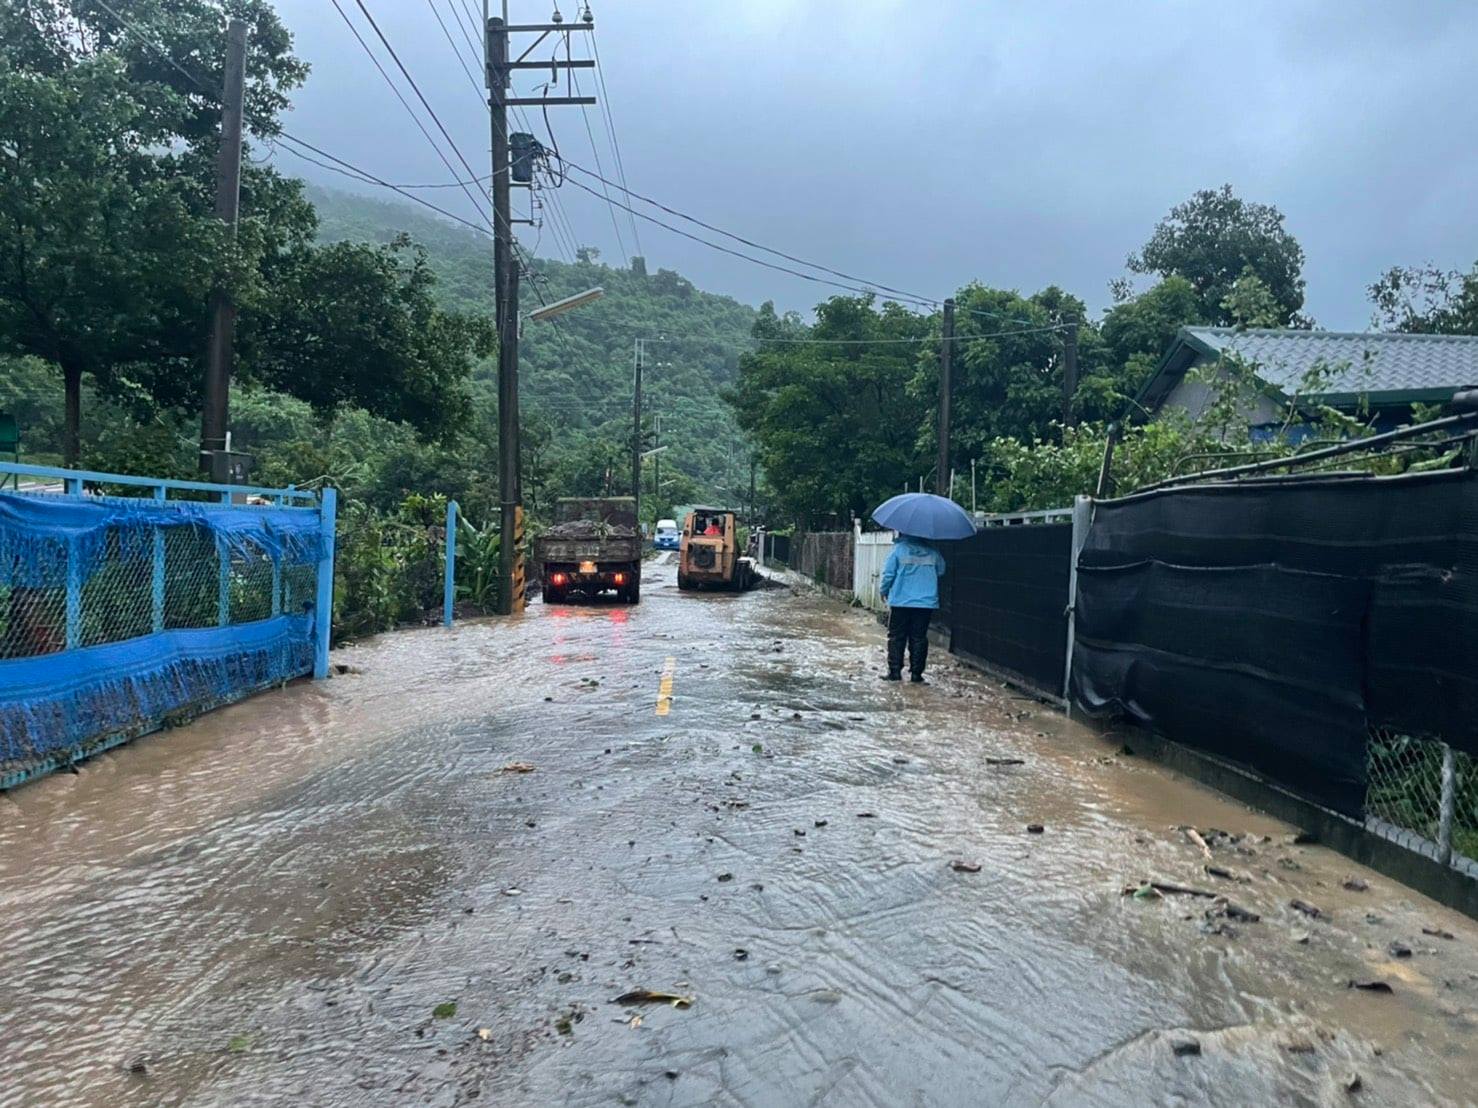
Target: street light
(569, 303)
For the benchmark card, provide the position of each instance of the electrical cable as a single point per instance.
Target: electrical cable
(605, 105)
(404, 103)
(457, 50)
(585, 114)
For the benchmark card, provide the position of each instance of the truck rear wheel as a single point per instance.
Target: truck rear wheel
(553, 595)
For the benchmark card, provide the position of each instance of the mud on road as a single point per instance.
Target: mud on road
(426, 882)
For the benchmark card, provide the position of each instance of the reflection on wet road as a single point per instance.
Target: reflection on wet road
(353, 893)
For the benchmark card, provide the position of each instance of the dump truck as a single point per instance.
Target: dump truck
(594, 546)
(709, 552)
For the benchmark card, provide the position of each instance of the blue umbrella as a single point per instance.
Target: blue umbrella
(925, 516)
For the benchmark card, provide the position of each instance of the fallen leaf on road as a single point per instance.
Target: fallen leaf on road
(1371, 986)
(239, 1044)
(650, 996)
(445, 1010)
(960, 866)
(519, 767)
(1145, 892)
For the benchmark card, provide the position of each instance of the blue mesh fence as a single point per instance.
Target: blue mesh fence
(120, 614)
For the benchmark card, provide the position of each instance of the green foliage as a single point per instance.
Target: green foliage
(576, 371)
(109, 248)
(833, 424)
(1427, 300)
(1213, 240)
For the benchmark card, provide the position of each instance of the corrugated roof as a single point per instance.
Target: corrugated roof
(1367, 363)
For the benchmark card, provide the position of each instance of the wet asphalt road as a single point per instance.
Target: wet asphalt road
(280, 903)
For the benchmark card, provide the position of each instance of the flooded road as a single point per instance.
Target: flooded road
(425, 882)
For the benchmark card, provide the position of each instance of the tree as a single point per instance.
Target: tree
(1137, 332)
(1427, 300)
(1214, 239)
(109, 245)
(828, 411)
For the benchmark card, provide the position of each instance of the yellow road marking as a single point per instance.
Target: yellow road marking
(664, 687)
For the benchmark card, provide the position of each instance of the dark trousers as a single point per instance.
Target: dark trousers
(908, 626)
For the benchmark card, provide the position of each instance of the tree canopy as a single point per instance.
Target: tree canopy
(1427, 300)
(109, 246)
(1215, 240)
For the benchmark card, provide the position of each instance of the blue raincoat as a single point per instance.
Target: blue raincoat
(911, 574)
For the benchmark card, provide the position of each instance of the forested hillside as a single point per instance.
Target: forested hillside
(577, 371)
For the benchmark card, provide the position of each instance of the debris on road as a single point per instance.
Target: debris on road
(1438, 933)
(1185, 1046)
(651, 996)
(822, 823)
(445, 1010)
(1166, 888)
(1034, 829)
(1306, 908)
(1195, 837)
(1398, 949)
(519, 767)
(725, 877)
(1375, 986)
(485, 1034)
(1355, 884)
(961, 866)
(1005, 761)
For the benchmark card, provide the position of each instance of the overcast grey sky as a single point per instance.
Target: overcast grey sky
(925, 143)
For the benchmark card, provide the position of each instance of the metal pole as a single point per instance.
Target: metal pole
(972, 486)
(636, 431)
(449, 586)
(323, 605)
(1082, 521)
(1069, 373)
(1449, 802)
(214, 413)
(946, 344)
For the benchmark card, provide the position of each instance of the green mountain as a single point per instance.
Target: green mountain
(577, 370)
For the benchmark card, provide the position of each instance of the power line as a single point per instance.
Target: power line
(585, 115)
(457, 50)
(416, 89)
(404, 103)
(605, 104)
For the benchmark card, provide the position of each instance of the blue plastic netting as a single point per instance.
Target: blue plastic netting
(118, 615)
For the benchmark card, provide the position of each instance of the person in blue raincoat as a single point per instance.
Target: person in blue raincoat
(910, 588)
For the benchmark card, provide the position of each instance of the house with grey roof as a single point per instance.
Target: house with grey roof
(1378, 376)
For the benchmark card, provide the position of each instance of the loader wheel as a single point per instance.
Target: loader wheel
(683, 582)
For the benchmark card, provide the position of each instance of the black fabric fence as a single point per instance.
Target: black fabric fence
(1273, 622)
(1005, 600)
(779, 548)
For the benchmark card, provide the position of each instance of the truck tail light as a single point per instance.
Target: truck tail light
(620, 578)
(557, 578)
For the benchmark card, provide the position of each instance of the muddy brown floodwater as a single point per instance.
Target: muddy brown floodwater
(348, 894)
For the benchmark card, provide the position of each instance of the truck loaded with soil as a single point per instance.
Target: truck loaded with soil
(594, 547)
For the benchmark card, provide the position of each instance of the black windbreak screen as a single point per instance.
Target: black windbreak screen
(1271, 622)
(1006, 599)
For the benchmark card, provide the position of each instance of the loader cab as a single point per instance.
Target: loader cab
(709, 554)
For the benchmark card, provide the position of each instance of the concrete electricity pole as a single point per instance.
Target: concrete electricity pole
(946, 357)
(636, 430)
(505, 276)
(1069, 372)
(214, 413)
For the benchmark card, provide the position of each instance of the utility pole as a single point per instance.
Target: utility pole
(943, 476)
(636, 430)
(656, 460)
(213, 416)
(505, 276)
(1069, 373)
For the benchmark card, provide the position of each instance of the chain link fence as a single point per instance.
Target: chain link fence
(1423, 794)
(122, 613)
